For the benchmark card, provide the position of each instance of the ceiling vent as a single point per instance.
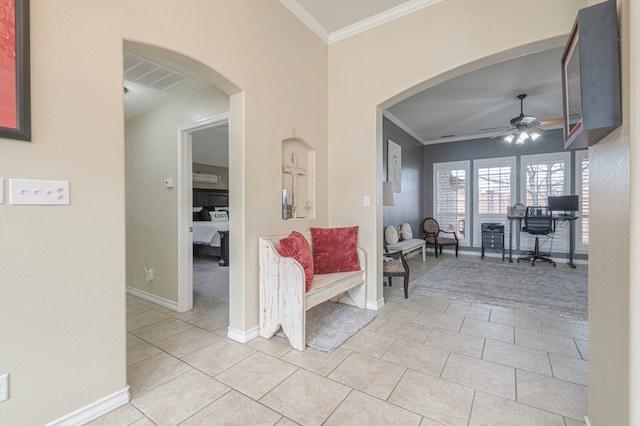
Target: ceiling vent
(150, 74)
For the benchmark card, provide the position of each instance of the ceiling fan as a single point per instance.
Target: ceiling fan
(525, 127)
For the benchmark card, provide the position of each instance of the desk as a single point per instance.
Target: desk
(556, 218)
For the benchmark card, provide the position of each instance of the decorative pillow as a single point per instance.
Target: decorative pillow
(297, 246)
(200, 214)
(390, 234)
(407, 233)
(335, 249)
(219, 216)
(219, 209)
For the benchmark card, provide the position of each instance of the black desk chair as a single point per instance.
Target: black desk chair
(538, 221)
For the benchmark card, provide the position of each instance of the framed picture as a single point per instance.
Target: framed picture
(15, 95)
(394, 165)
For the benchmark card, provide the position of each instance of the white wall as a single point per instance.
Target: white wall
(62, 310)
(611, 189)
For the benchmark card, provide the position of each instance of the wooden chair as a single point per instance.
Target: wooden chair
(436, 237)
(395, 265)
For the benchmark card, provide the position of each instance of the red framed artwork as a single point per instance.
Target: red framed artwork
(15, 105)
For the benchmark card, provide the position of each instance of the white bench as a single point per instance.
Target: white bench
(283, 300)
(409, 246)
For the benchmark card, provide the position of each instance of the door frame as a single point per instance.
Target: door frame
(185, 205)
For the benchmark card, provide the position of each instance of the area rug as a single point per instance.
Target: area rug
(536, 288)
(330, 324)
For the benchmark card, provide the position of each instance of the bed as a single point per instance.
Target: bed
(211, 224)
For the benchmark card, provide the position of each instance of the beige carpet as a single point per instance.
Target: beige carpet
(211, 288)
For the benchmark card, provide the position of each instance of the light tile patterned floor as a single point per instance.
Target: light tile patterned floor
(423, 361)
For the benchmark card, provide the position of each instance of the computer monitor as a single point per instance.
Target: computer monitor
(566, 203)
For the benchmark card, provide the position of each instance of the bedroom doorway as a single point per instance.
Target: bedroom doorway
(203, 170)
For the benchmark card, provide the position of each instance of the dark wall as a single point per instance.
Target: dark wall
(408, 203)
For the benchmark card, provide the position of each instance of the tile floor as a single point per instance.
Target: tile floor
(423, 361)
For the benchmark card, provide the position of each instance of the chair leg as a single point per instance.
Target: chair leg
(406, 286)
(390, 284)
(456, 250)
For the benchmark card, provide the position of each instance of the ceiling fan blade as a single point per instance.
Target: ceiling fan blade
(551, 121)
(536, 129)
(495, 129)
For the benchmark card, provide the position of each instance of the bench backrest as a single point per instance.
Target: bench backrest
(275, 240)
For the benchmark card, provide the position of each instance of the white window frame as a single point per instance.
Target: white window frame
(560, 238)
(455, 165)
(500, 217)
(579, 157)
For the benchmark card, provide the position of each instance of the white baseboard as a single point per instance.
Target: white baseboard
(170, 304)
(94, 410)
(243, 336)
(375, 306)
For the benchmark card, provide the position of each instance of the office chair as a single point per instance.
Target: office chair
(538, 221)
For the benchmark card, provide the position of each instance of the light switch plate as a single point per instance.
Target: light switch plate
(38, 192)
(4, 387)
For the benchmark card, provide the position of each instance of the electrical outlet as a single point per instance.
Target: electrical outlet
(148, 274)
(4, 387)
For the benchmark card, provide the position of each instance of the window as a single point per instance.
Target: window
(582, 189)
(494, 192)
(545, 175)
(451, 197)
(542, 176)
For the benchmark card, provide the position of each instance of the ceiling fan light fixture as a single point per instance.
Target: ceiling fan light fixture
(534, 136)
(509, 138)
(522, 137)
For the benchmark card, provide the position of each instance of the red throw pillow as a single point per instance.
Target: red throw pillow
(335, 249)
(296, 245)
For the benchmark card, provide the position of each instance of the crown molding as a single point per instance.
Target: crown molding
(395, 120)
(381, 18)
(366, 24)
(306, 18)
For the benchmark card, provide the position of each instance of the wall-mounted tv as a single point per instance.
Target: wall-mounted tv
(591, 77)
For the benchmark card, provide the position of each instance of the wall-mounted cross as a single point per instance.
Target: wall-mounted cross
(294, 170)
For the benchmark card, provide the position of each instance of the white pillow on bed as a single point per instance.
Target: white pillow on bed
(219, 216)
